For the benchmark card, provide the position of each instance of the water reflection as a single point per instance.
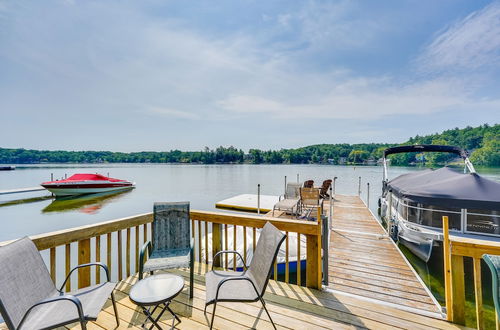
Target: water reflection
(89, 204)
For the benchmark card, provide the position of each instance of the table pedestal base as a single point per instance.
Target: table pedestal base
(149, 316)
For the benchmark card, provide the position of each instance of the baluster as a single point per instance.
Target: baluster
(225, 246)
(120, 252)
(136, 248)
(145, 233)
(254, 238)
(287, 276)
(206, 242)
(479, 293)
(53, 264)
(192, 228)
(108, 252)
(275, 275)
(83, 258)
(127, 253)
(97, 259)
(199, 241)
(68, 265)
(299, 282)
(245, 244)
(235, 232)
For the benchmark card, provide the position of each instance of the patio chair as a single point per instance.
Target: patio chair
(29, 299)
(308, 183)
(493, 263)
(172, 245)
(324, 189)
(250, 284)
(309, 200)
(290, 201)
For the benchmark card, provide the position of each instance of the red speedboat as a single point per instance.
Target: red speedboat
(79, 184)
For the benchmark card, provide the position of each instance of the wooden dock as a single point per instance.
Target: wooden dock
(365, 262)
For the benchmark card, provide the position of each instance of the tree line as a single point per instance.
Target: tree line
(483, 142)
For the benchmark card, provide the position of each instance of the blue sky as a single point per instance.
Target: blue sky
(161, 75)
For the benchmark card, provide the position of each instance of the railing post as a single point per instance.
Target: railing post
(83, 258)
(313, 254)
(478, 289)
(447, 269)
(216, 242)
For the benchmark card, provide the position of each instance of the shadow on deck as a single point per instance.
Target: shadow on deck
(291, 307)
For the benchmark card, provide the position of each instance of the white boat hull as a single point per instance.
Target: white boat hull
(82, 191)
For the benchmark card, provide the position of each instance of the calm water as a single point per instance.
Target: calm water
(202, 185)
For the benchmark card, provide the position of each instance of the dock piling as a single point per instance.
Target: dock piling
(51, 176)
(284, 194)
(359, 186)
(297, 177)
(258, 198)
(368, 194)
(334, 179)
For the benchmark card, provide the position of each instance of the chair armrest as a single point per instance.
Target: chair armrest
(99, 264)
(71, 298)
(226, 252)
(239, 278)
(148, 246)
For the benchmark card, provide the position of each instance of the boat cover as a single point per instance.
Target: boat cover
(448, 188)
(85, 177)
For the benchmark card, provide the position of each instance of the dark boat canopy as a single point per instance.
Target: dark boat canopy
(426, 148)
(447, 188)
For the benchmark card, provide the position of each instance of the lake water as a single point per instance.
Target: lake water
(202, 185)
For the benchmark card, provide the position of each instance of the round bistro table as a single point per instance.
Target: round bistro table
(155, 291)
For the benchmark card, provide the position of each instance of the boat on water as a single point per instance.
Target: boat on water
(79, 184)
(7, 168)
(414, 203)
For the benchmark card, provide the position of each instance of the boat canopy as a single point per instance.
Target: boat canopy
(447, 188)
(426, 148)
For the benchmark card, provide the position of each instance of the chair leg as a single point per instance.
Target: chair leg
(268, 315)
(115, 309)
(83, 324)
(213, 316)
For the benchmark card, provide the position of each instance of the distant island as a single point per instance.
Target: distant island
(483, 143)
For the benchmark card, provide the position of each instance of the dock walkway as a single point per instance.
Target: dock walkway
(366, 263)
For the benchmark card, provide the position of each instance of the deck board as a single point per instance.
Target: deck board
(365, 262)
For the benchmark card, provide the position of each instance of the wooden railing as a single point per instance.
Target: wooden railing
(117, 243)
(455, 249)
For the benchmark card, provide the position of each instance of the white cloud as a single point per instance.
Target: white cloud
(472, 43)
(172, 113)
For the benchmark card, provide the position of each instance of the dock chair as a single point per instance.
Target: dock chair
(493, 263)
(250, 284)
(172, 245)
(290, 201)
(308, 183)
(310, 200)
(30, 300)
(324, 189)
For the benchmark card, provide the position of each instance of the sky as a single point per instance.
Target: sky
(162, 75)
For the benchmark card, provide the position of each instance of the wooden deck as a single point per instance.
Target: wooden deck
(291, 306)
(366, 263)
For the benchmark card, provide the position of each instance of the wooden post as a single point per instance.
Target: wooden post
(313, 264)
(447, 267)
(127, 253)
(108, 252)
(136, 249)
(216, 242)
(458, 289)
(478, 289)
(287, 267)
(83, 258)
(120, 258)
